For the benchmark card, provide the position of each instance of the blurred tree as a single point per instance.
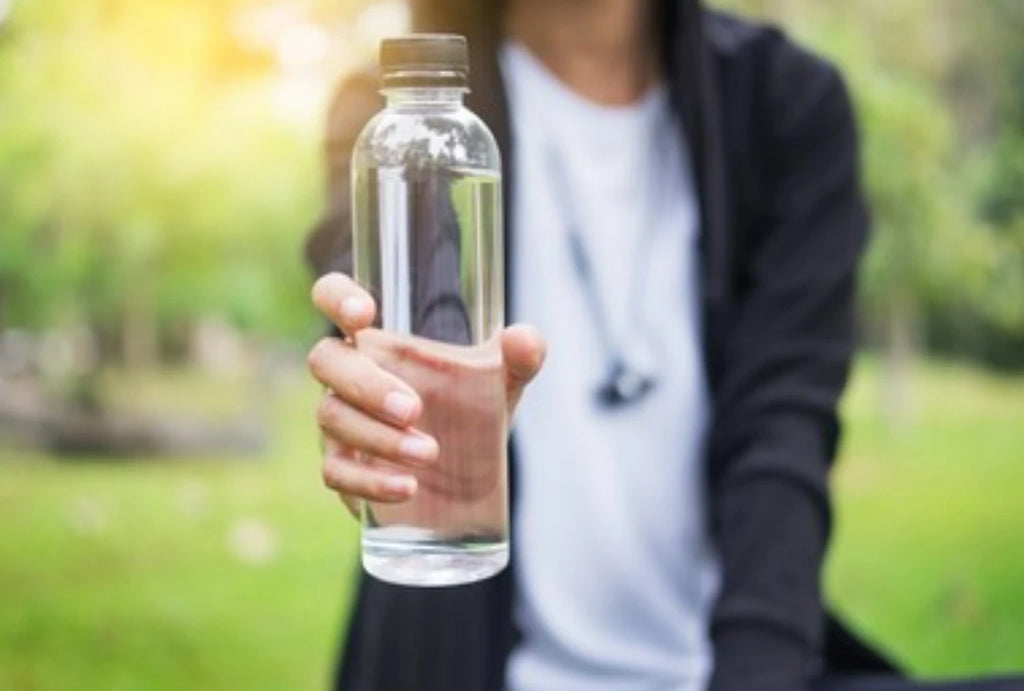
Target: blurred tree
(986, 87)
(152, 171)
(144, 177)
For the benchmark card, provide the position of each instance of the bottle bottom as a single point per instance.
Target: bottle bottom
(431, 563)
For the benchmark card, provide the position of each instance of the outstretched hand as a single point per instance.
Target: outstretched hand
(368, 410)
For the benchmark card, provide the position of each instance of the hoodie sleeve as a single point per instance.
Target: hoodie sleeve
(783, 362)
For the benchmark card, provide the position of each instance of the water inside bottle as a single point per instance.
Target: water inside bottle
(454, 528)
(430, 257)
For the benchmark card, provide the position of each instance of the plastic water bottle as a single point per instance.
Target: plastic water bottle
(427, 234)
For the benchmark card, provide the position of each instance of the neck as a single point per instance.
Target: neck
(601, 49)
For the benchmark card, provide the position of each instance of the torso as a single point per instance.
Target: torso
(615, 572)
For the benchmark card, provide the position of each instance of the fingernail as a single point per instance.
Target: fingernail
(400, 406)
(420, 448)
(400, 484)
(354, 306)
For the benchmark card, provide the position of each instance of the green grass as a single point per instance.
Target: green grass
(128, 575)
(929, 549)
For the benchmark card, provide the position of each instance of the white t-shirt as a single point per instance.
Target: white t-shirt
(615, 571)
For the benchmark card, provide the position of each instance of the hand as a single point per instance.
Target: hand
(368, 410)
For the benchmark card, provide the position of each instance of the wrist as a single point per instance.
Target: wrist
(758, 658)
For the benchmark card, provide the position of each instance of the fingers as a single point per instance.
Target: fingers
(352, 427)
(354, 481)
(523, 350)
(363, 384)
(342, 301)
(369, 412)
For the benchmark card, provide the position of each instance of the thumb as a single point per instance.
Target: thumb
(523, 350)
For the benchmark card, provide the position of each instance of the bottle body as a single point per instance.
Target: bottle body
(427, 244)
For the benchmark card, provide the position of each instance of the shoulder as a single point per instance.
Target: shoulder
(760, 65)
(742, 42)
(354, 101)
(786, 118)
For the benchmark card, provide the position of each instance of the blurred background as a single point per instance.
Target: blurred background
(162, 522)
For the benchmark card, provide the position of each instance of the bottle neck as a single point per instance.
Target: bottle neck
(425, 97)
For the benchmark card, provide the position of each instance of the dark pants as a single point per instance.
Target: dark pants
(852, 665)
(889, 683)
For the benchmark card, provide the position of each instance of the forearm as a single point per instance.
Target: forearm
(767, 624)
(784, 363)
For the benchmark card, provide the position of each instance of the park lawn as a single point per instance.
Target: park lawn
(214, 573)
(928, 554)
(183, 574)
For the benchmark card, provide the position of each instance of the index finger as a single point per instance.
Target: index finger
(341, 300)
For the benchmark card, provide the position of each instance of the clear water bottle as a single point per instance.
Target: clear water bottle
(427, 234)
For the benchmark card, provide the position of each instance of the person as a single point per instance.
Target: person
(684, 224)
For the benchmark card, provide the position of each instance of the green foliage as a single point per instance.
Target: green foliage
(142, 169)
(147, 175)
(1003, 201)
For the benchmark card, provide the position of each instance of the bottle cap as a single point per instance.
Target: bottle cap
(424, 60)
